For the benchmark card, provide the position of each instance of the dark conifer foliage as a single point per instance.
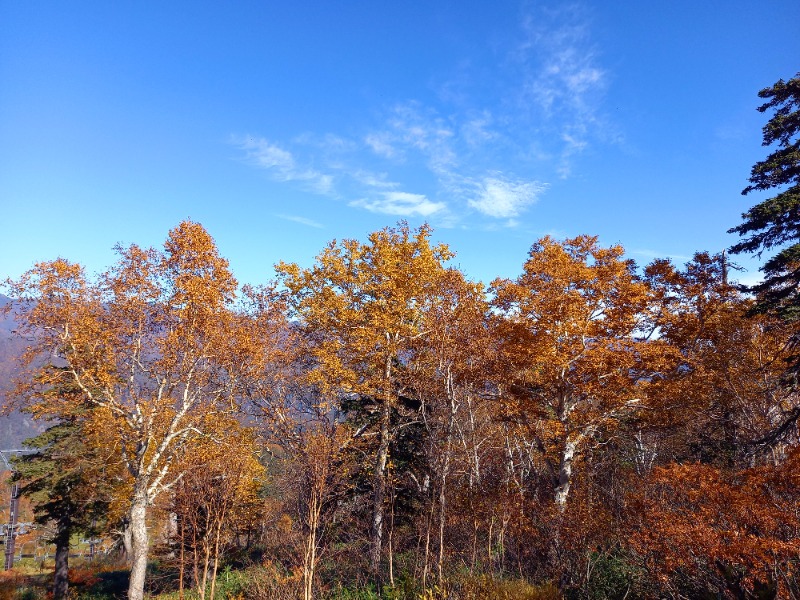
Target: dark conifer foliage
(63, 478)
(775, 222)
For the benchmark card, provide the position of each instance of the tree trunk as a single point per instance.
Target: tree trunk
(182, 558)
(565, 474)
(475, 528)
(448, 450)
(379, 493)
(127, 542)
(139, 542)
(426, 563)
(61, 583)
(206, 562)
(442, 518)
(391, 537)
(310, 557)
(217, 537)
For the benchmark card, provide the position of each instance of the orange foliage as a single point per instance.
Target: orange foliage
(734, 530)
(575, 357)
(151, 344)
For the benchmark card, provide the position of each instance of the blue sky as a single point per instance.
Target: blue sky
(282, 125)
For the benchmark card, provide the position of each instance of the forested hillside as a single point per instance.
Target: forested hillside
(15, 426)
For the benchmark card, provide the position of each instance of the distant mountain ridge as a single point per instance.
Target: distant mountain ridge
(16, 426)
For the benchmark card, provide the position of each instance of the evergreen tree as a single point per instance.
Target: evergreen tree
(64, 480)
(775, 222)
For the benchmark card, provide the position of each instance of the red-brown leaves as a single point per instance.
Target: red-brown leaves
(706, 525)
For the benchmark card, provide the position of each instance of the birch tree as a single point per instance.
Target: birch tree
(148, 344)
(449, 374)
(364, 304)
(572, 345)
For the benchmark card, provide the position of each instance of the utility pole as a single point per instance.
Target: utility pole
(13, 512)
(11, 531)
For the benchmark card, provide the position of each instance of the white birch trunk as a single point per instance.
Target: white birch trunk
(565, 473)
(139, 542)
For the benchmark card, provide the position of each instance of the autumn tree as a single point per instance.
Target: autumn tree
(724, 396)
(364, 306)
(150, 346)
(449, 374)
(221, 480)
(731, 534)
(312, 443)
(711, 515)
(300, 423)
(572, 333)
(316, 477)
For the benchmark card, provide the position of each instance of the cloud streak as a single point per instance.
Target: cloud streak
(301, 221)
(401, 204)
(562, 81)
(282, 165)
(503, 198)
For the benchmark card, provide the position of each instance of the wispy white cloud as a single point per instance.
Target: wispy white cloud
(379, 193)
(329, 143)
(269, 156)
(402, 204)
(562, 80)
(413, 129)
(478, 129)
(417, 126)
(282, 164)
(380, 144)
(504, 198)
(301, 221)
(373, 180)
(560, 62)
